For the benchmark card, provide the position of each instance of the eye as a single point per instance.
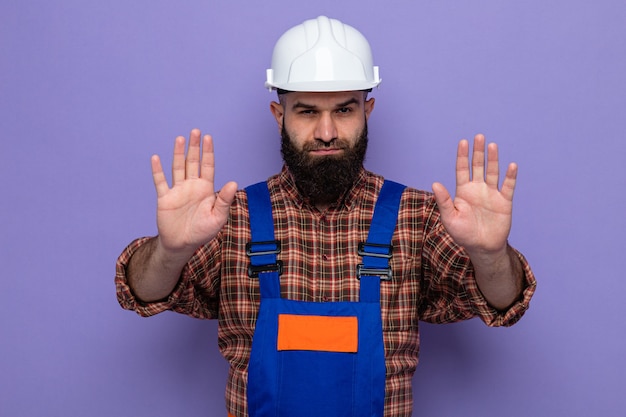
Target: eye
(344, 110)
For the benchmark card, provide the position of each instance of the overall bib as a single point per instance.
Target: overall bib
(318, 358)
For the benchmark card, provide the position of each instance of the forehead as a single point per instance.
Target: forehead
(323, 99)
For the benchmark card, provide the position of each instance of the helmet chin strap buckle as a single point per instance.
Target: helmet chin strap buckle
(269, 73)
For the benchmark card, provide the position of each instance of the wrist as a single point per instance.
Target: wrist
(489, 257)
(168, 256)
(499, 277)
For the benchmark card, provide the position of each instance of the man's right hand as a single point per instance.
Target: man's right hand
(190, 213)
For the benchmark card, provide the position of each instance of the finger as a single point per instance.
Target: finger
(478, 159)
(192, 162)
(493, 170)
(225, 198)
(443, 199)
(207, 168)
(178, 163)
(158, 177)
(510, 180)
(462, 163)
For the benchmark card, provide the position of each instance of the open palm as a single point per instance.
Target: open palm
(479, 216)
(190, 213)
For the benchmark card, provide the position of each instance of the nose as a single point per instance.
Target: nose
(325, 129)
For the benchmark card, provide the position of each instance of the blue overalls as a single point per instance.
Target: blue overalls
(321, 359)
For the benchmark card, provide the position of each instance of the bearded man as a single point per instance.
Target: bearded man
(320, 275)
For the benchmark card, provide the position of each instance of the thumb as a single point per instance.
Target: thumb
(443, 199)
(225, 198)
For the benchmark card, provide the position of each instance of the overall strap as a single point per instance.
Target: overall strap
(377, 250)
(263, 247)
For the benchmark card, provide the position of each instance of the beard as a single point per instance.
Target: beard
(324, 179)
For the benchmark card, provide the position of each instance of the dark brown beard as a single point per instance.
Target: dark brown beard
(324, 179)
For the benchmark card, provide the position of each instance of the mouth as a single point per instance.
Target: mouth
(326, 151)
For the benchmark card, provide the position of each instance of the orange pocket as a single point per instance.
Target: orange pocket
(319, 333)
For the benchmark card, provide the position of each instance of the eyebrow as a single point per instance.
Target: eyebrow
(300, 105)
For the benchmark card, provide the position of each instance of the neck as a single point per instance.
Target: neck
(322, 206)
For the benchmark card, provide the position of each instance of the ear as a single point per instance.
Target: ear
(278, 111)
(369, 106)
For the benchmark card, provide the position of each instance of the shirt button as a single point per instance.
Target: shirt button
(325, 257)
(324, 298)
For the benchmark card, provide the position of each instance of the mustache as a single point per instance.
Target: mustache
(318, 144)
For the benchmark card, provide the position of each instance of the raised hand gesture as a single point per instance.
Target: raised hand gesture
(190, 213)
(479, 216)
(479, 219)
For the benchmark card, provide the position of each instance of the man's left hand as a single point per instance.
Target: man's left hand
(479, 216)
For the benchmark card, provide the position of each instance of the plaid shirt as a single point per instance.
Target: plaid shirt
(432, 278)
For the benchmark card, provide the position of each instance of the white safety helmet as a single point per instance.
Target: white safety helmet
(322, 55)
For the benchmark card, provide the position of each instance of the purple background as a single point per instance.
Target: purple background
(89, 90)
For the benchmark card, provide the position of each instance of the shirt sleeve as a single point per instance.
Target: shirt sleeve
(449, 289)
(196, 294)
(509, 317)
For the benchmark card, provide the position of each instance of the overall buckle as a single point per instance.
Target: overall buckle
(384, 273)
(361, 250)
(255, 270)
